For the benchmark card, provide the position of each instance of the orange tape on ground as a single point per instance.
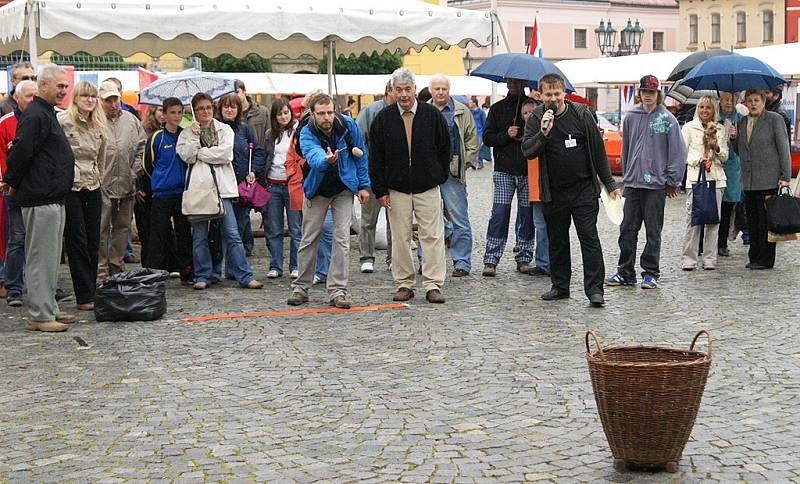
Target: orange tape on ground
(295, 311)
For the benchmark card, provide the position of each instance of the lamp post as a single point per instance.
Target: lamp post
(630, 39)
(468, 61)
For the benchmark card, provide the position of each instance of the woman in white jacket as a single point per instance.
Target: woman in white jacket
(207, 147)
(709, 157)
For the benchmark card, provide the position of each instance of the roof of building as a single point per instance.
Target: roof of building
(647, 3)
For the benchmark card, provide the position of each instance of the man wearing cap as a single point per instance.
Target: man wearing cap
(653, 158)
(124, 148)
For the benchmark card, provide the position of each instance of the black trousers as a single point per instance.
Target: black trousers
(725, 223)
(761, 251)
(641, 205)
(82, 241)
(577, 203)
(141, 210)
(170, 237)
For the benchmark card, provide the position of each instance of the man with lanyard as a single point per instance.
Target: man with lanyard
(653, 160)
(167, 173)
(334, 152)
(565, 138)
(463, 147)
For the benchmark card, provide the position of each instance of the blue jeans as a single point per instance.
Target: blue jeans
(324, 247)
(129, 247)
(231, 246)
(15, 249)
(454, 196)
(275, 210)
(542, 251)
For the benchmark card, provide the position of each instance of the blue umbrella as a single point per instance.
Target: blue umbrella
(500, 67)
(184, 85)
(732, 73)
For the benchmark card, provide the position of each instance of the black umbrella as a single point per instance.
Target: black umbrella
(692, 60)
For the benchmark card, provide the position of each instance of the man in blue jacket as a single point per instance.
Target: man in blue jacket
(653, 157)
(167, 173)
(333, 148)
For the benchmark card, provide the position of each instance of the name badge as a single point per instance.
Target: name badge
(570, 142)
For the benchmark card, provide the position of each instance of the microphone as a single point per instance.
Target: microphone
(549, 109)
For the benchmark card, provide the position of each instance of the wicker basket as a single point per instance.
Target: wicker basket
(647, 398)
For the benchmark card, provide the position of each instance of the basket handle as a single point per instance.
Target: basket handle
(691, 347)
(596, 342)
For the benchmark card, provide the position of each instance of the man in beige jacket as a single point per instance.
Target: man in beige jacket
(124, 148)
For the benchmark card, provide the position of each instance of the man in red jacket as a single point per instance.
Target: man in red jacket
(12, 242)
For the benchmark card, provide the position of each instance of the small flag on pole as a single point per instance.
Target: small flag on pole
(535, 45)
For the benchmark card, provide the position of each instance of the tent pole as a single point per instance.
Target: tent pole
(492, 15)
(32, 50)
(329, 48)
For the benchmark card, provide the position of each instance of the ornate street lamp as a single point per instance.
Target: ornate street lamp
(630, 39)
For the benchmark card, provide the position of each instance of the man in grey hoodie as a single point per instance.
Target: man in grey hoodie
(653, 160)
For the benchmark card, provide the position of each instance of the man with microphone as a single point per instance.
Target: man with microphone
(565, 138)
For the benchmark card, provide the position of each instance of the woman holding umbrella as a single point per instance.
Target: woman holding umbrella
(707, 147)
(763, 146)
(207, 147)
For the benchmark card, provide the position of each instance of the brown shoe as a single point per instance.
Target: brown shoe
(85, 307)
(523, 267)
(48, 327)
(3, 292)
(340, 302)
(254, 284)
(434, 296)
(489, 270)
(65, 318)
(403, 294)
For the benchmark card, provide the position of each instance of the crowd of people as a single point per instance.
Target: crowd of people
(84, 173)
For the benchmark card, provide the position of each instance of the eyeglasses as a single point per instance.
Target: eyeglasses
(204, 108)
(324, 113)
(89, 96)
(27, 78)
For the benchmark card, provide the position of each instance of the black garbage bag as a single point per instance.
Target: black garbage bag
(135, 295)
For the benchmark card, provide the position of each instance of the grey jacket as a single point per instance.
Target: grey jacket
(125, 140)
(257, 117)
(766, 158)
(366, 116)
(653, 151)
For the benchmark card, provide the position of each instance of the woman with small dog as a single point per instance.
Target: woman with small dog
(707, 147)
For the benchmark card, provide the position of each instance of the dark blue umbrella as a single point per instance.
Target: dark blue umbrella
(500, 67)
(732, 73)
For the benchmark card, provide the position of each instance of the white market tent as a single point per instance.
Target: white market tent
(785, 58)
(267, 27)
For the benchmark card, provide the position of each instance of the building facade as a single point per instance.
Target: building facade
(732, 24)
(567, 27)
(792, 20)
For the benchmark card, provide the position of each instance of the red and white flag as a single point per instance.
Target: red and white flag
(535, 45)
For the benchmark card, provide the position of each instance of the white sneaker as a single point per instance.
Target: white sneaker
(367, 267)
(174, 275)
(294, 274)
(317, 279)
(273, 274)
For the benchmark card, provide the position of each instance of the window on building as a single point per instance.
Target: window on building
(692, 29)
(579, 38)
(769, 22)
(658, 41)
(741, 27)
(715, 30)
(528, 33)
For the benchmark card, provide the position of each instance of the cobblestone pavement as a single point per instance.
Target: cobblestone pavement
(491, 386)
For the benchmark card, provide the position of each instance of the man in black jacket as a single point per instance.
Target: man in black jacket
(409, 149)
(38, 176)
(565, 138)
(503, 132)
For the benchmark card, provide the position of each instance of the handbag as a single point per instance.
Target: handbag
(202, 204)
(704, 200)
(253, 194)
(783, 213)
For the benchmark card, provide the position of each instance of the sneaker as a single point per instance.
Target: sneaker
(367, 267)
(538, 271)
(489, 270)
(273, 274)
(523, 267)
(297, 298)
(460, 273)
(340, 302)
(319, 280)
(63, 295)
(200, 285)
(618, 280)
(14, 300)
(174, 275)
(649, 282)
(294, 274)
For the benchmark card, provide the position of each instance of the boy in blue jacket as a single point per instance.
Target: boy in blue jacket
(167, 173)
(337, 169)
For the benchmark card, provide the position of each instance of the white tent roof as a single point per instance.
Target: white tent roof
(785, 58)
(238, 27)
